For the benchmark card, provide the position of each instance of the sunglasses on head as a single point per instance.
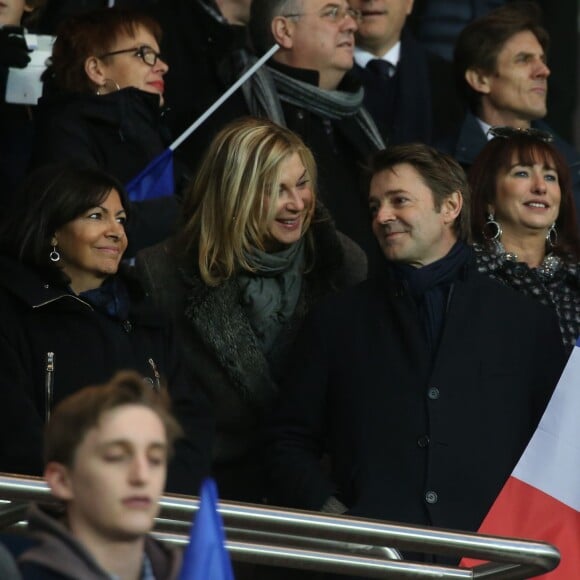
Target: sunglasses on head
(508, 132)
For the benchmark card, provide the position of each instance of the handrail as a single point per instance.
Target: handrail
(339, 544)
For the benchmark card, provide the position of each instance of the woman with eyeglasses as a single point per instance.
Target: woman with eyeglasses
(524, 221)
(105, 106)
(255, 251)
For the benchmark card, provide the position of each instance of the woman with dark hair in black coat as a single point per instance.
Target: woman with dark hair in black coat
(71, 317)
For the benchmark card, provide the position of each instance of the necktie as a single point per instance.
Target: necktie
(381, 67)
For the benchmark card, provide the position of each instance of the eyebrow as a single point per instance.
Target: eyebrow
(128, 445)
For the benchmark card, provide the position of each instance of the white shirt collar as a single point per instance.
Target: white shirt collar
(485, 128)
(362, 57)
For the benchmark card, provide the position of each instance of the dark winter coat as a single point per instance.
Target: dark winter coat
(411, 439)
(221, 347)
(60, 556)
(87, 348)
(120, 133)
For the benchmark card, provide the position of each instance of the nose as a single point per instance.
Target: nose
(385, 214)
(539, 184)
(295, 201)
(542, 69)
(116, 229)
(139, 470)
(349, 23)
(161, 66)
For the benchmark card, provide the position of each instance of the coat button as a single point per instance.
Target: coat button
(431, 497)
(300, 115)
(423, 441)
(433, 393)
(127, 326)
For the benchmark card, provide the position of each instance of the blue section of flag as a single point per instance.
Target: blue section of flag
(206, 557)
(156, 180)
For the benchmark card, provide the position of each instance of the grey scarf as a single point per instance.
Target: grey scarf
(269, 295)
(269, 86)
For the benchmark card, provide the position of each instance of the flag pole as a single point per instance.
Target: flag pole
(225, 96)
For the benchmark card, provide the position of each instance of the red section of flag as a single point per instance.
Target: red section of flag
(522, 511)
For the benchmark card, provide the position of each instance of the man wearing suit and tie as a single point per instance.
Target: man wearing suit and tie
(408, 91)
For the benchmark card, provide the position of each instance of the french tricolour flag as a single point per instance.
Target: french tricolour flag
(541, 499)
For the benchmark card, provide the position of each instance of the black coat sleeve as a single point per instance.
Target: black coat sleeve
(192, 460)
(298, 427)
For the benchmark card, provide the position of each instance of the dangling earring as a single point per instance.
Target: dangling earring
(552, 236)
(54, 255)
(491, 229)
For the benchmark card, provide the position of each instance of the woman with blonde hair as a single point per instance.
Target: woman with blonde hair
(255, 251)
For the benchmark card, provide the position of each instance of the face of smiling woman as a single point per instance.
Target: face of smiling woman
(293, 205)
(91, 246)
(527, 197)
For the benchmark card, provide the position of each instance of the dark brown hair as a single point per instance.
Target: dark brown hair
(496, 157)
(82, 411)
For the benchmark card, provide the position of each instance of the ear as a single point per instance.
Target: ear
(28, 7)
(94, 70)
(478, 80)
(451, 207)
(409, 6)
(54, 241)
(58, 478)
(490, 209)
(282, 31)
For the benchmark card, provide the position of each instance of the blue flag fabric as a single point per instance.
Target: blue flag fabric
(156, 180)
(206, 557)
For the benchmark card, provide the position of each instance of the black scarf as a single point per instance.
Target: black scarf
(430, 287)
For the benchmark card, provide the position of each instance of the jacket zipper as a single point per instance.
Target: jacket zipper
(48, 384)
(157, 385)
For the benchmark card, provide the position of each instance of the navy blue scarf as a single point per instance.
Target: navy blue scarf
(430, 286)
(111, 298)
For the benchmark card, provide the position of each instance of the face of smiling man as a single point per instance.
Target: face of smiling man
(381, 23)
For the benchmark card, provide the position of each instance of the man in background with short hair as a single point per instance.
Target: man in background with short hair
(501, 68)
(106, 451)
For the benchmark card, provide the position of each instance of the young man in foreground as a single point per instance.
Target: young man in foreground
(106, 451)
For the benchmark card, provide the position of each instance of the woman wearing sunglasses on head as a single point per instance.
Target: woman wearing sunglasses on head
(524, 222)
(105, 106)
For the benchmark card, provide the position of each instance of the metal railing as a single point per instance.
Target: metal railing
(313, 541)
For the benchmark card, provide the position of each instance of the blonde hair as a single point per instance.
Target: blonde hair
(224, 210)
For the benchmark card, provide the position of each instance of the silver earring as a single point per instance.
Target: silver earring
(54, 255)
(491, 229)
(552, 236)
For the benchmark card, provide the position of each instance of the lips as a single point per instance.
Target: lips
(159, 85)
(289, 223)
(137, 502)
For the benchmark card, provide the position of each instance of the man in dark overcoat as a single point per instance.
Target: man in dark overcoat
(423, 385)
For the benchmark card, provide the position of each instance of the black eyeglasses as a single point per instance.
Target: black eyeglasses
(331, 13)
(507, 132)
(145, 53)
